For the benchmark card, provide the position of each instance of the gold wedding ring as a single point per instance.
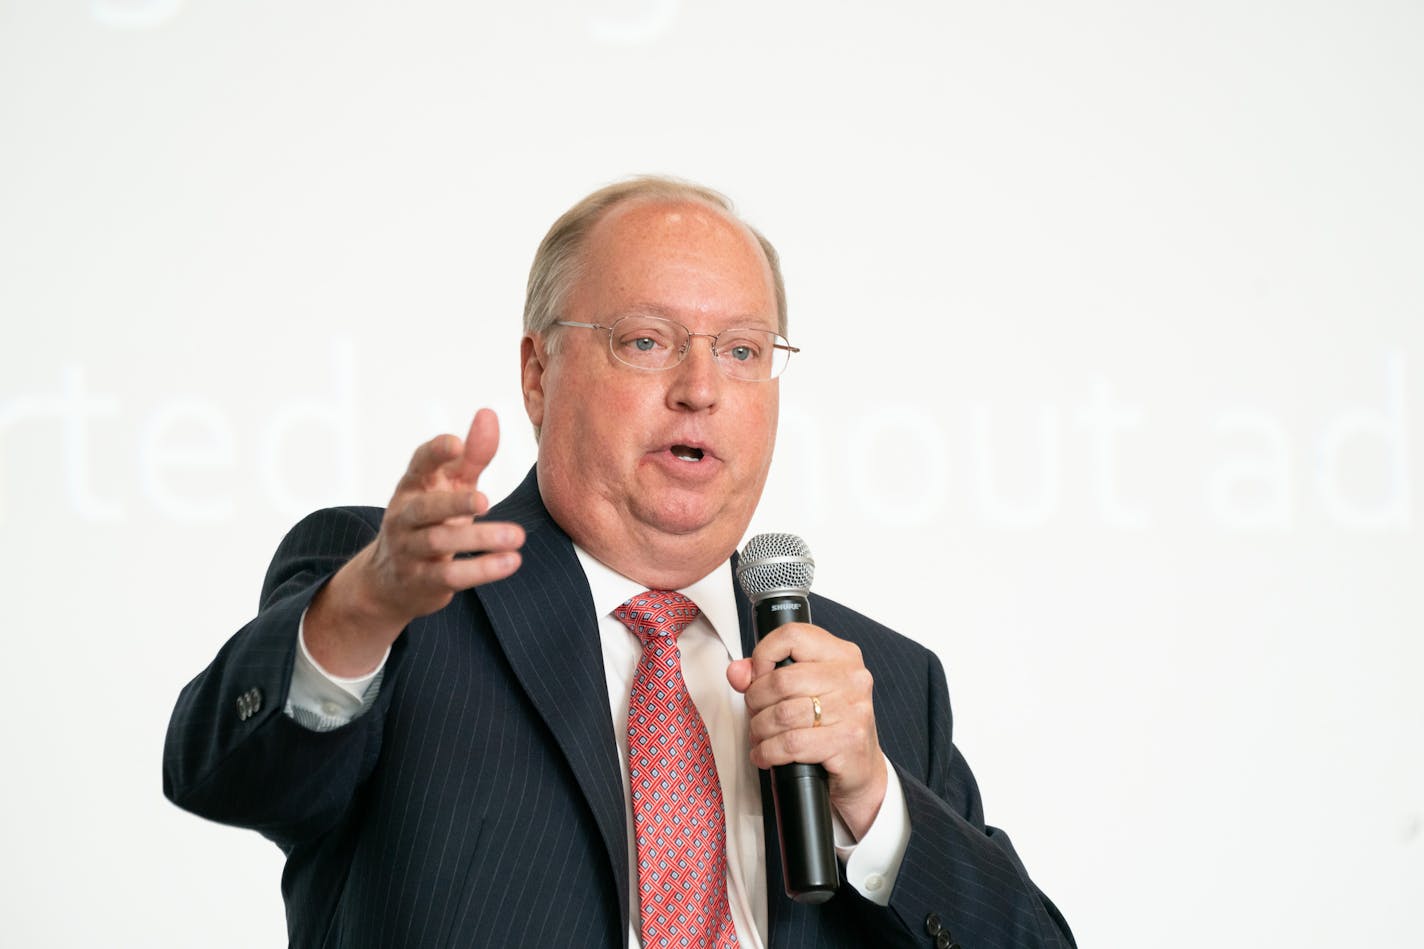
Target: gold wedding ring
(816, 712)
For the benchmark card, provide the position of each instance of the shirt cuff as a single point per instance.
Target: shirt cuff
(873, 862)
(321, 701)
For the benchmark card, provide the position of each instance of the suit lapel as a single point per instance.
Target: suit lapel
(543, 617)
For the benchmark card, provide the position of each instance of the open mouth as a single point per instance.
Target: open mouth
(686, 453)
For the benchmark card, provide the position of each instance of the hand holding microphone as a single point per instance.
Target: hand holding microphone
(812, 720)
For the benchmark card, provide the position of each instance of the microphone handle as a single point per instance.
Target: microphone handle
(799, 792)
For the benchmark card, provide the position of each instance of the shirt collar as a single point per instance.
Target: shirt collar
(713, 595)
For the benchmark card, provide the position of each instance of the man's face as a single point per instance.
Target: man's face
(656, 473)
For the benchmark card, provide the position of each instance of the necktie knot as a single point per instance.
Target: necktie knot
(657, 615)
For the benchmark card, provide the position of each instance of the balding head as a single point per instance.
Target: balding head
(560, 258)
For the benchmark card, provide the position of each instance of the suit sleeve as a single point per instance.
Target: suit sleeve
(232, 754)
(960, 876)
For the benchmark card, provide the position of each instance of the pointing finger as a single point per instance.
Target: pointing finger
(427, 461)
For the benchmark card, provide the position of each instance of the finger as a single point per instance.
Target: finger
(463, 536)
(481, 443)
(761, 666)
(794, 713)
(427, 459)
(798, 679)
(472, 571)
(845, 747)
(433, 507)
(800, 642)
(801, 746)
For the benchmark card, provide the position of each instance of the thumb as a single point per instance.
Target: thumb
(481, 443)
(739, 674)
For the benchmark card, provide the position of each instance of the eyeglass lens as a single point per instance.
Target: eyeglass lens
(650, 342)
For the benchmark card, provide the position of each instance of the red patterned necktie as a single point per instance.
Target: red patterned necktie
(677, 801)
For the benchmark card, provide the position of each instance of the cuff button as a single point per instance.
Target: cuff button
(249, 704)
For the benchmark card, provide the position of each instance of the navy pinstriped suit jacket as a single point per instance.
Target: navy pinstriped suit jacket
(479, 802)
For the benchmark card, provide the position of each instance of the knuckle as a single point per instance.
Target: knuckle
(394, 570)
(862, 679)
(786, 681)
(417, 543)
(431, 541)
(448, 574)
(441, 447)
(410, 510)
(759, 730)
(400, 548)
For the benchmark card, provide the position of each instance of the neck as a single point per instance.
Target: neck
(657, 562)
(657, 559)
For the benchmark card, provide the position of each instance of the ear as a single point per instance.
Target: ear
(532, 357)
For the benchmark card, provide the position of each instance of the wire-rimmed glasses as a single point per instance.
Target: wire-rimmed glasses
(653, 343)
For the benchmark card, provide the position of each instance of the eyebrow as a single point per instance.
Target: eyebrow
(744, 322)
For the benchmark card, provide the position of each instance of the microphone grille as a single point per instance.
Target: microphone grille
(775, 563)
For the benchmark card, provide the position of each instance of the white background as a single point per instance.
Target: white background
(1110, 393)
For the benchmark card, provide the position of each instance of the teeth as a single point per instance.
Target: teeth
(687, 454)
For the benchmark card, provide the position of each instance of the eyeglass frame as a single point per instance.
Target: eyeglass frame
(682, 353)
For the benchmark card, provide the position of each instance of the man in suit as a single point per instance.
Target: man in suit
(440, 740)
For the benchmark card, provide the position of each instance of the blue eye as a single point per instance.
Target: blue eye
(742, 353)
(644, 343)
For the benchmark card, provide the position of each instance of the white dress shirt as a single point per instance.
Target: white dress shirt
(321, 701)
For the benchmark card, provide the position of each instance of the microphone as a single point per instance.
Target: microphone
(775, 572)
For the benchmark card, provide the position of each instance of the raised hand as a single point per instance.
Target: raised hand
(411, 568)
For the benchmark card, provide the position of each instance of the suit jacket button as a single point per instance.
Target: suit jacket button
(933, 925)
(942, 940)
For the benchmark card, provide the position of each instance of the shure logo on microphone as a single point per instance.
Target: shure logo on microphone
(783, 606)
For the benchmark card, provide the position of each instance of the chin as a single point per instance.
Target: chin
(681, 514)
(679, 521)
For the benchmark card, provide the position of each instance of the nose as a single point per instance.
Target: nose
(697, 380)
